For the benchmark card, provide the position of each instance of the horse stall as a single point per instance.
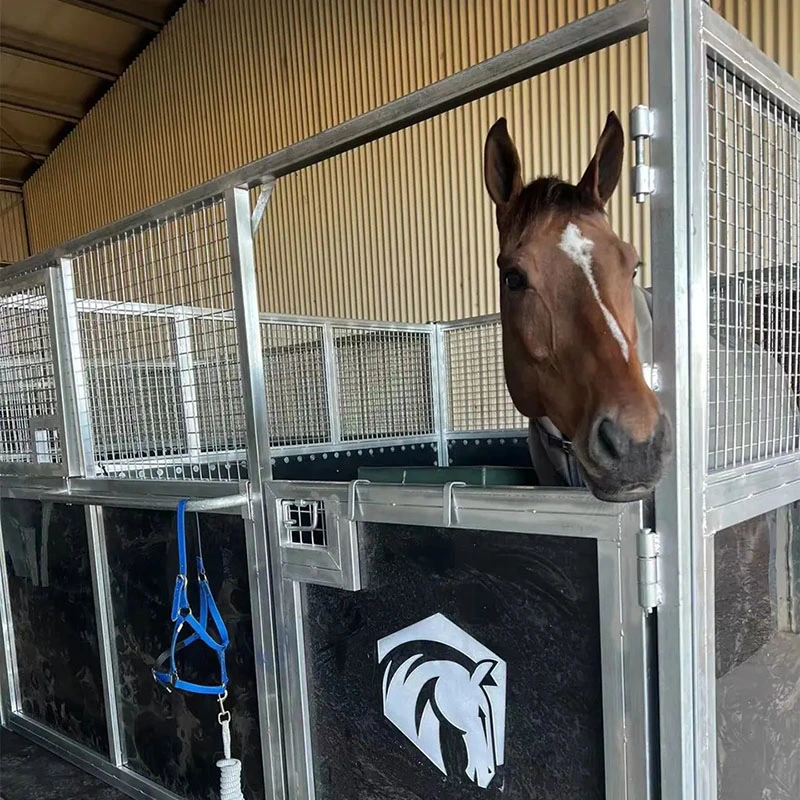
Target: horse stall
(409, 611)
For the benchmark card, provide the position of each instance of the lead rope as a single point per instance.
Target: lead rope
(165, 669)
(230, 778)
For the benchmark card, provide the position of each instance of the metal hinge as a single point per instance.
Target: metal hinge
(642, 175)
(648, 550)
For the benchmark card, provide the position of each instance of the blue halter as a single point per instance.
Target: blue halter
(182, 614)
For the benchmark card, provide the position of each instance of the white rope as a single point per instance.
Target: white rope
(230, 779)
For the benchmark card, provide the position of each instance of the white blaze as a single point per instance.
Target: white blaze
(579, 249)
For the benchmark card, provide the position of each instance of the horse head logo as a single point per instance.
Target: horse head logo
(446, 693)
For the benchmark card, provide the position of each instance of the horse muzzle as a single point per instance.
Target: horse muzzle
(619, 469)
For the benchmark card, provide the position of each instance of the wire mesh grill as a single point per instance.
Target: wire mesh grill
(383, 379)
(29, 405)
(304, 522)
(296, 379)
(478, 399)
(754, 263)
(212, 348)
(158, 339)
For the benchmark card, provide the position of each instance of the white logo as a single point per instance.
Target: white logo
(435, 674)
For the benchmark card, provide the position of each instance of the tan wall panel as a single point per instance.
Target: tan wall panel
(13, 239)
(229, 81)
(772, 25)
(401, 228)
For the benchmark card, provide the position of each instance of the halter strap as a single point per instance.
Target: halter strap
(559, 452)
(182, 615)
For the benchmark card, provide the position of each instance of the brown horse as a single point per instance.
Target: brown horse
(568, 317)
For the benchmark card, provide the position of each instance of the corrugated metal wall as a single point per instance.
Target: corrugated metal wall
(400, 229)
(13, 240)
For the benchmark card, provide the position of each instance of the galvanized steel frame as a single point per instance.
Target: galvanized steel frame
(47, 277)
(543, 512)
(690, 506)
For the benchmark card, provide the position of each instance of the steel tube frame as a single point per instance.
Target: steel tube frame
(690, 504)
(106, 636)
(259, 555)
(9, 678)
(544, 512)
(725, 498)
(670, 75)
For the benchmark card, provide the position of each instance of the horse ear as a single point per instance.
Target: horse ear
(602, 174)
(482, 674)
(501, 168)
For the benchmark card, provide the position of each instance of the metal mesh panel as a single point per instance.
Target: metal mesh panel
(295, 375)
(133, 389)
(478, 399)
(159, 348)
(28, 402)
(221, 424)
(384, 383)
(304, 522)
(754, 263)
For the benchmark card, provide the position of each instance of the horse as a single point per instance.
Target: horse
(422, 696)
(570, 316)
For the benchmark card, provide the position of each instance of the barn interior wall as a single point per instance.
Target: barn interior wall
(400, 229)
(13, 237)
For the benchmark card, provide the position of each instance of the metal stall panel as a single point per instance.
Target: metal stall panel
(347, 392)
(47, 566)
(159, 346)
(479, 421)
(498, 653)
(440, 606)
(756, 585)
(32, 435)
(753, 237)
(173, 738)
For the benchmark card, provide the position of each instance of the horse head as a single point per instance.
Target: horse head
(568, 323)
(462, 701)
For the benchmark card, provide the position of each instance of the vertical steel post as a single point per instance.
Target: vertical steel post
(331, 363)
(69, 371)
(95, 529)
(440, 374)
(187, 380)
(259, 554)
(10, 700)
(680, 309)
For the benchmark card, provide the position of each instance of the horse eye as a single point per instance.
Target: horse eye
(636, 270)
(514, 279)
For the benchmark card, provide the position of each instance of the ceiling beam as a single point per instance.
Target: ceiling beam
(40, 107)
(26, 152)
(48, 51)
(15, 187)
(136, 13)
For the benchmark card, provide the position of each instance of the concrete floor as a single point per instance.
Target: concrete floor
(27, 772)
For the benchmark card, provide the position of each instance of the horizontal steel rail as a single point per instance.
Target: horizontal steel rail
(741, 56)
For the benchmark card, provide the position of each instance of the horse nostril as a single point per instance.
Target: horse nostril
(612, 441)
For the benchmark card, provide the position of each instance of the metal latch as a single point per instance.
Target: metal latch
(642, 175)
(648, 550)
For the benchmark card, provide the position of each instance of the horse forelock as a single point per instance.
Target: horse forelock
(544, 197)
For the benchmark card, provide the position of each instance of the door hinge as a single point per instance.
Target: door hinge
(642, 175)
(648, 550)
